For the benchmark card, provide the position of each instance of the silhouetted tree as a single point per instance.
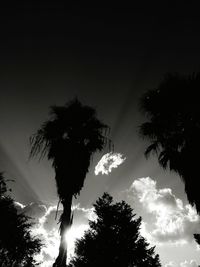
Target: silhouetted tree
(173, 128)
(113, 239)
(69, 139)
(197, 238)
(17, 245)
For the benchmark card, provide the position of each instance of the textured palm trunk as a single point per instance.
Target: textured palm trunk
(65, 223)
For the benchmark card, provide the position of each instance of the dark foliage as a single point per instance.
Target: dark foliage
(197, 238)
(173, 128)
(69, 139)
(113, 239)
(17, 245)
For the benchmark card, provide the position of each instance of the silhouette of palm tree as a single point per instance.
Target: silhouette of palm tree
(173, 128)
(69, 139)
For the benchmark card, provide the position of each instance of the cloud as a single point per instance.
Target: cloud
(171, 264)
(191, 263)
(49, 220)
(35, 210)
(19, 206)
(171, 221)
(47, 228)
(82, 215)
(108, 162)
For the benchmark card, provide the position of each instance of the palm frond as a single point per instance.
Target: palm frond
(152, 148)
(69, 139)
(173, 127)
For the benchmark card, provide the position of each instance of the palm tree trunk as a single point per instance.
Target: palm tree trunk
(65, 223)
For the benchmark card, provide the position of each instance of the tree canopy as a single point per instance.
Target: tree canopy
(113, 239)
(173, 128)
(69, 138)
(17, 246)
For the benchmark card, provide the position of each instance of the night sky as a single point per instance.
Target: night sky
(107, 57)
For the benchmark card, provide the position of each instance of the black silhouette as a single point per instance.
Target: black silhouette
(113, 239)
(173, 128)
(17, 245)
(69, 139)
(197, 238)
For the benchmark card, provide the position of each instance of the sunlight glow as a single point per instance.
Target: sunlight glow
(75, 232)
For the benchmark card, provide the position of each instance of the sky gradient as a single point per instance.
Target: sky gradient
(107, 57)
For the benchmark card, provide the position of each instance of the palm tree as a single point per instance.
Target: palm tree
(69, 139)
(173, 128)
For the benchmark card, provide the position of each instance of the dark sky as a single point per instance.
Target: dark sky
(107, 57)
(76, 37)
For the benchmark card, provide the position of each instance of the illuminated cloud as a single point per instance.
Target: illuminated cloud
(35, 210)
(191, 263)
(108, 162)
(171, 221)
(47, 229)
(171, 264)
(19, 205)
